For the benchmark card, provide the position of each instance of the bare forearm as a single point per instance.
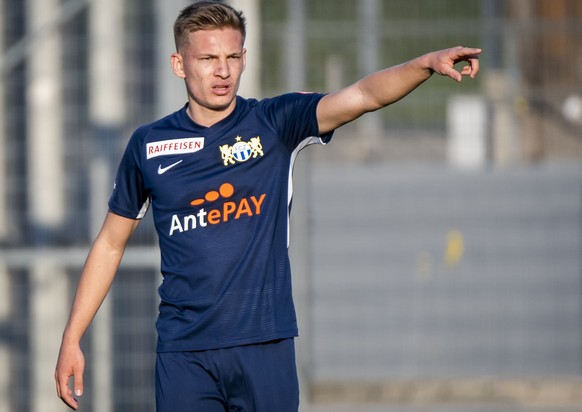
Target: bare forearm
(371, 93)
(98, 273)
(390, 85)
(96, 279)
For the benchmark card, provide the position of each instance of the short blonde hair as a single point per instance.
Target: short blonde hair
(206, 15)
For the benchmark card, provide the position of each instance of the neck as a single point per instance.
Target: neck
(208, 117)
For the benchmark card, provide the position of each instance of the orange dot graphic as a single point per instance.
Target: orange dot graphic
(212, 196)
(226, 190)
(197, 202)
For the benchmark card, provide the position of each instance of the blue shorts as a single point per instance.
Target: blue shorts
(252, 378)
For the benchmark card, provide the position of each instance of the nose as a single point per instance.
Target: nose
(222, 69)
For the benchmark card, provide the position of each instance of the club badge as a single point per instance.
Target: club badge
(241, 151)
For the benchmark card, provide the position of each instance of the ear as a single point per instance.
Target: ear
(176, 61)
(244, 59)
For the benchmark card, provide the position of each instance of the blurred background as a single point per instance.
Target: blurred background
(436, 244)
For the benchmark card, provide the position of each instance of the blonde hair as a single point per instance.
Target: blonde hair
(206, 15)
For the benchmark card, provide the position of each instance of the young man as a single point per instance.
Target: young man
(217, 175)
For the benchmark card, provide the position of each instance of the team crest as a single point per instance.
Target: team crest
(241, 151)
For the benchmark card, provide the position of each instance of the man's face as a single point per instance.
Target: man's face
(211, 65)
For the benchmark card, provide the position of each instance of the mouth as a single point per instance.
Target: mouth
(221, 89)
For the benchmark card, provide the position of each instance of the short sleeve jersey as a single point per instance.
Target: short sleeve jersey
(220, 198)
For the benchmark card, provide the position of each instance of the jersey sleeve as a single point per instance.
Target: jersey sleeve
(294, 116)
(130, 198)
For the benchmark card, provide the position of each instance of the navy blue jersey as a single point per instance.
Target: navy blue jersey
(220, 198)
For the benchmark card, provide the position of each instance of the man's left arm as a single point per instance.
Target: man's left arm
(390, 85)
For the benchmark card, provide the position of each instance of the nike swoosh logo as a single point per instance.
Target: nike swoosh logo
(162, 170)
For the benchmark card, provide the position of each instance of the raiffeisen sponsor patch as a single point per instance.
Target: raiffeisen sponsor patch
(174, 146)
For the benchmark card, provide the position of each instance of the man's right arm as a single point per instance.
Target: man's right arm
(96, 279)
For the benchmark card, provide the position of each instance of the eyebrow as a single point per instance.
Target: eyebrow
(212, 55)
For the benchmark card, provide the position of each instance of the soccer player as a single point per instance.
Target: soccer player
(217, 176)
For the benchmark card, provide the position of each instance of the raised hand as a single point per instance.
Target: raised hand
(443, 61)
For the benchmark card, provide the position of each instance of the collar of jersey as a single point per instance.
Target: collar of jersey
(240, 109)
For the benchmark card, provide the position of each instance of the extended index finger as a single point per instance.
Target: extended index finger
(465, 53)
